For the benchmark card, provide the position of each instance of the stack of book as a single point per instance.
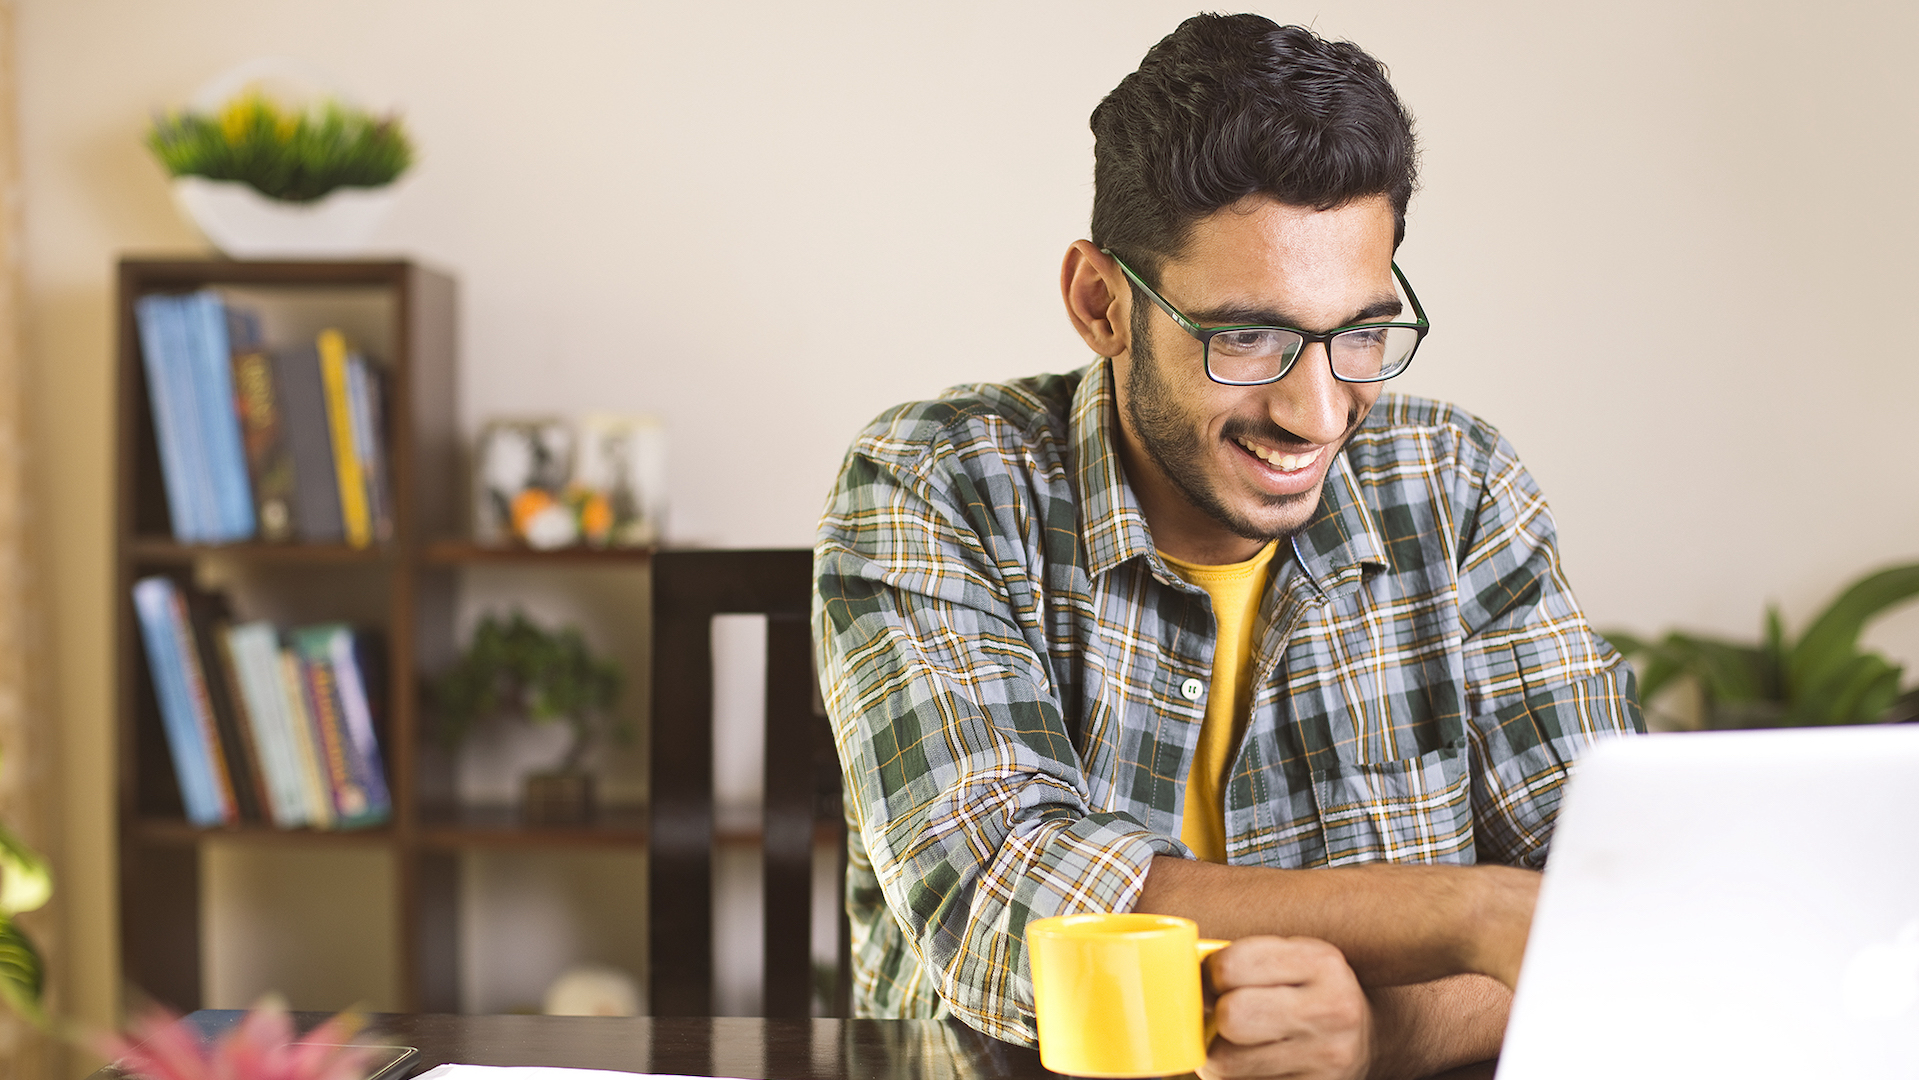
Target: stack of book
(261, 726)
(285, 444)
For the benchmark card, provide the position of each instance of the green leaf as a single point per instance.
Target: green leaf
(22, 976)
(1857, 690)
(25, 881)
(1829, 643)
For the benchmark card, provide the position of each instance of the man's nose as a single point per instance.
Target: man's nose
(1309, 401)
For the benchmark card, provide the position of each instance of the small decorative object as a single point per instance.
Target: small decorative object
(1822, 678)
(592, 990)
(519, 482)
(261, 176)
(622, 461)
(516, 668)
(161, 1046)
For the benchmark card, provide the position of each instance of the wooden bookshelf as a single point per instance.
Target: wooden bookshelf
(406, 587)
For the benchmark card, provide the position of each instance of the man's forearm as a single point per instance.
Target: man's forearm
(1396, 925)
(1427, 1028)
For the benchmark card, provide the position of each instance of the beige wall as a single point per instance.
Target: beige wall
(1651, 238)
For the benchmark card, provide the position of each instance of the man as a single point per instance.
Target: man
(1212, 627)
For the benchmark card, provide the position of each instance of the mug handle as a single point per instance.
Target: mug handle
(1207, 947)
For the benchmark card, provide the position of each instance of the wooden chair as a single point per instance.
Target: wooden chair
(802, 793)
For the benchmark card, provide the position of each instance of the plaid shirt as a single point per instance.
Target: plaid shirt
(1010, 668)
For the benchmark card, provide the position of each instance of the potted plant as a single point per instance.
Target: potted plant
(263, 178)
(1820, 677)
(516, 668)
(25, 884)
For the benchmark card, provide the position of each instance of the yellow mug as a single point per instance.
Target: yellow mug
(1117, 995)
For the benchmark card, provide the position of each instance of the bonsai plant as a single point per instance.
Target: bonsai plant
(516, 668)
(262, 178)
(1820, 677)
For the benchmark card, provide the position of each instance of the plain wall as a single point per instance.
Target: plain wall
(1666, 247)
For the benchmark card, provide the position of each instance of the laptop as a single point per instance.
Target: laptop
(1737, 904)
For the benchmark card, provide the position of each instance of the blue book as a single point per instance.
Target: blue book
(170, 424)
(155, 601)
(212, 359)
(182, 388)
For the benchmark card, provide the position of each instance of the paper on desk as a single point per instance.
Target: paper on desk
(535, 1072)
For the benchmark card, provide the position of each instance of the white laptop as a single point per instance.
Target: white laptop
(1729, 904)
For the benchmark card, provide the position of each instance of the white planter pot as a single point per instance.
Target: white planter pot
(245, 224)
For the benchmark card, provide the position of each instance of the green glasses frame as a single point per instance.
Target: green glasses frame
(1205, 335)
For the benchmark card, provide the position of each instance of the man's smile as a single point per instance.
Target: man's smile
(1286, 463)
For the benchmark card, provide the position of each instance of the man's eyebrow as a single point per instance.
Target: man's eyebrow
(1383, 308)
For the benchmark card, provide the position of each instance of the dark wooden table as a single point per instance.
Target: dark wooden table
(717, 1046)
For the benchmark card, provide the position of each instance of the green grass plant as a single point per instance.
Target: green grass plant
(294, 156)
(1821, 677)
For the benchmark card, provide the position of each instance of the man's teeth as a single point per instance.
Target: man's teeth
(1282, 462)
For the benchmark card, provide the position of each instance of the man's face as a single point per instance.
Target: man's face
(1220, 470)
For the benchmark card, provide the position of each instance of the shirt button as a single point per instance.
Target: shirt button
(1191, 689)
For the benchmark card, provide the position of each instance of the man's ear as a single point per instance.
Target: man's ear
(1097, 298)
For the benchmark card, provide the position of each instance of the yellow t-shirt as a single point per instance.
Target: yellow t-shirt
(1236, 590)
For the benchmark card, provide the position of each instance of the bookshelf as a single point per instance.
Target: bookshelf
(407, 587)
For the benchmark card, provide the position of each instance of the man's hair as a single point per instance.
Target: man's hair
(1234, 105)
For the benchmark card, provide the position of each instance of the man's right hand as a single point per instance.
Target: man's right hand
(1287, 1007)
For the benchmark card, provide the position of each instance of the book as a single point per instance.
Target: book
(352, 802)
(252, 650)
(269, 459)
(210, 357)
(357, 671)
(200, 695)
(346, 456)
(303, 415)
(207, 618)
(306, 742)
(169, 395)
(366, 394)
(154, 609)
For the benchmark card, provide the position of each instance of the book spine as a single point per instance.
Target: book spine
(168, 423)
(241, 756)
(255, 656)
(356, 708)
(306, 742)
(219, 642)
(153, 607)
(363, 385)
(184, 390)
(301, 395)
(269, 464)
(202, 702)
(346, 457)
(323, 698)
(219, 413)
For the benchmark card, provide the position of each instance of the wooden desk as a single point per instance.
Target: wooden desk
(716, 1046)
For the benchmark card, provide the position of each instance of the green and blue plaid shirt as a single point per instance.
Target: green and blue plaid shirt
(1010, 668)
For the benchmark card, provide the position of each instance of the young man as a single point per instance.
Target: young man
(1212, 626)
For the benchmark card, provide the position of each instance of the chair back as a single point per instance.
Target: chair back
(801, 808)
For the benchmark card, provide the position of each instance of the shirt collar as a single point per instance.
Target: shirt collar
(1110, 517)
(1333, 549)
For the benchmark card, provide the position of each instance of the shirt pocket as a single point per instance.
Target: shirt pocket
(1413, 810)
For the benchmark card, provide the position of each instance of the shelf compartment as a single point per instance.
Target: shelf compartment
(178, 832)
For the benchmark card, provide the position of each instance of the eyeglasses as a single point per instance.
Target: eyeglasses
(1255, 355)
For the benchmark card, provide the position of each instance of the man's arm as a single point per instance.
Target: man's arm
(1414, 981)
(1394, 924)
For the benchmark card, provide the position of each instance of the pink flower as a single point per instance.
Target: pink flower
(161, 1046)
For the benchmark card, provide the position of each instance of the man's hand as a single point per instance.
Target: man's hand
(1287, 1007)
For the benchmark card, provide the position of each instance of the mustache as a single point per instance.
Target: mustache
(1264, 430)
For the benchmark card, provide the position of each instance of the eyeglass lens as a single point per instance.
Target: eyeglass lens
(1261, 354)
